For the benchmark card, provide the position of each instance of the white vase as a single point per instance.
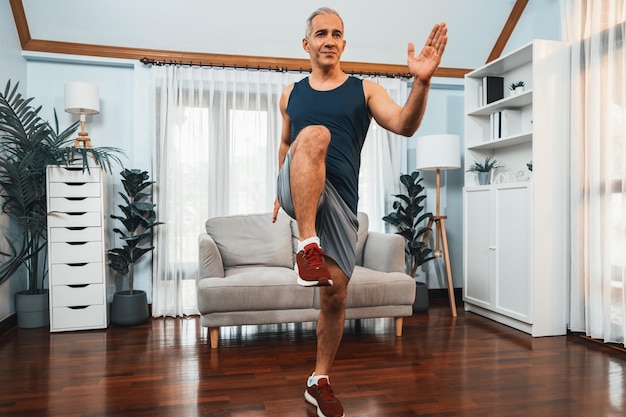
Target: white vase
(516, 91)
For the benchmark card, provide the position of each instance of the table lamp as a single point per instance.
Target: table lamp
(437, 153)
(82, 98)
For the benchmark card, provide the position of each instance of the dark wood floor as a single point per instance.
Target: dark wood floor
(468, 366)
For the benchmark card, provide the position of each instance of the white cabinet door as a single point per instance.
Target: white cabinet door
(497, 246)
(478, 246)
(512, 249)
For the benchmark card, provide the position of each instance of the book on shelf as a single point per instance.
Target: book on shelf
(494, 125)
(505, 123)
(510, 122)
(493, 89)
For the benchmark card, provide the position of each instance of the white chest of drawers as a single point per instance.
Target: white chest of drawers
(78, 284)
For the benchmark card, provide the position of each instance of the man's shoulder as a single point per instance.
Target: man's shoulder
(289, 88)
(284, 97)
(371, 87)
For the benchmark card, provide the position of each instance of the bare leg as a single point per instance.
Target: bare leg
(331, 319)
(308, 175)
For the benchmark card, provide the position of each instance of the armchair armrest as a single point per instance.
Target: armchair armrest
(210, 262)
(384, 252)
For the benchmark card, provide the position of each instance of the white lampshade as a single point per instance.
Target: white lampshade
(438, 151)
(82, 98)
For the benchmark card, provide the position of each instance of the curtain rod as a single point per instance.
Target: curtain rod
(161, 62)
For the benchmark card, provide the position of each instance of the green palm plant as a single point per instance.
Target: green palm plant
(138, 218)
(408, 217)
(28, 144)
(487, 166)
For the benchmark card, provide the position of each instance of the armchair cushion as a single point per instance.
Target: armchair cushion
(384, 252)
(252, 240)
(253, 289)
(370, 288)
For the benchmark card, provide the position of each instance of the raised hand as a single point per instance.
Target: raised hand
(424, 65)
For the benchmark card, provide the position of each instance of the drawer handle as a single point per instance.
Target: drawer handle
(78, 307)
(76, 243)
(78, 285)
(75, 198)
(76, 213)
(76, 228)
(75, 265)
(75, 184)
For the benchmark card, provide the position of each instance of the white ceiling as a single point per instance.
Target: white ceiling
(376, 31)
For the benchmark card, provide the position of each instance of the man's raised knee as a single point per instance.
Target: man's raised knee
(314, 138)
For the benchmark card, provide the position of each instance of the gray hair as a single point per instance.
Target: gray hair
(321, 10)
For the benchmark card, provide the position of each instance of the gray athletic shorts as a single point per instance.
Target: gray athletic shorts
(335, 223)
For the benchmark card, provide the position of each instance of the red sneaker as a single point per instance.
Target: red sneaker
(321, 395)
(310, 267)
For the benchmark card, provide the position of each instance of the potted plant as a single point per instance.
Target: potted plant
(130, 307)
(28, 144)
(484, 170)
(517, 87)
(408, 218)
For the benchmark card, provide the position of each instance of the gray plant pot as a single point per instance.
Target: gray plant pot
(484, 178)
(421, 302)
(129, 310)
(33, 310)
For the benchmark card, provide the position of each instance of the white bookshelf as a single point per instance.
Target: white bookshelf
(515, 257)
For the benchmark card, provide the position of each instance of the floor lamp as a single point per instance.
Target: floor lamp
(82, 99)
(437, 153)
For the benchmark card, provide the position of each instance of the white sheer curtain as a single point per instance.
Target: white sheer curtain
(595, 29)
(215, 153)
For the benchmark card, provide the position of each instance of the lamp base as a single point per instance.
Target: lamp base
(441, 235)
(84, 140)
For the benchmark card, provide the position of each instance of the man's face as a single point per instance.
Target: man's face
(325, 43)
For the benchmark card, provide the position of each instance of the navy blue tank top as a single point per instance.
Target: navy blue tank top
(344, 112)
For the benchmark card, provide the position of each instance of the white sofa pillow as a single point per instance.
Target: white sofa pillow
(252, 239)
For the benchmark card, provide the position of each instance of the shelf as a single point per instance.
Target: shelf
(510, 102)
(526, 182)
(506, 63)
(503, 142)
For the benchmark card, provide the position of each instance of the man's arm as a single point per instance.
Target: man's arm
(285, 137)
(404, 120)
(285, 134)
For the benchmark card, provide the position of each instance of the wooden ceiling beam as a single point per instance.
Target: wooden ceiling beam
(21, 24)
(239, 61)
(509, 26)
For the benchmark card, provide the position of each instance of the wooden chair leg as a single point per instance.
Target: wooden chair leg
(214, 334)
(398, 326)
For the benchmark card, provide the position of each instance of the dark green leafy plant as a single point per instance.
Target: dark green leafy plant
(408, 217)
(28, 144)
(139, 220)
(485, 167)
